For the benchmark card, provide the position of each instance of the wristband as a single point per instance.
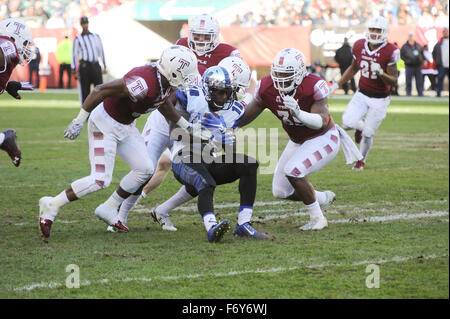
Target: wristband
(311, 120)
(82, 116)
(183, 123)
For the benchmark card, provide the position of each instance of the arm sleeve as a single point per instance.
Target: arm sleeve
(137, 87)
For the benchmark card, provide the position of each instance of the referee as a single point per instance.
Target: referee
(87, 51)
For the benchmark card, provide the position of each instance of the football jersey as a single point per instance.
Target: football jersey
(192, 105)
(146, 95)
(386, 54)
(213, 57)
(312, 89)
(11, 60)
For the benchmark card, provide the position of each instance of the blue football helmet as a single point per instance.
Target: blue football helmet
(219, 88)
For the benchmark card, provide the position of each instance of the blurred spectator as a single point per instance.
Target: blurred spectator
(348, 13)
(411, 53)
(440, 56)
(429, 67)
(64, 56)
(344, 58)
(33, 67)
(318, 70)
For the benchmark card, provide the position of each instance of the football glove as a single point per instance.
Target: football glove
(376, 67)
(13, 87)
(73, 130)
(210, 121)
(291, 104)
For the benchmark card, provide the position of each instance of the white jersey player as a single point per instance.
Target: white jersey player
(156, 136)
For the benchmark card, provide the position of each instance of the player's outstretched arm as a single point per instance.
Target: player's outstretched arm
(116, 88)
(252, 111)
(349, 73)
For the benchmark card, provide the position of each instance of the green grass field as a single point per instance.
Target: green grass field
(393, 214)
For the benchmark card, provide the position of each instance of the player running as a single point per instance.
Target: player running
(16, 47)
(300, 101)
(377, 60)
(112, 109)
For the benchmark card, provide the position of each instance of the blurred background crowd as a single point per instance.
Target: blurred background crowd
(345, 13)
(333, 13)
(54, 14)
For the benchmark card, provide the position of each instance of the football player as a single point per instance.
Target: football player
(377, 60)
(112, 109)
(156, 135)
(300, 101)
(201, 177)
(203, 40)
(16, 47)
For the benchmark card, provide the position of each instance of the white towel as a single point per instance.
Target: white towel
(351, 151)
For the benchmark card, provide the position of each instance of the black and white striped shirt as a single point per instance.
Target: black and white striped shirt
(87, 47)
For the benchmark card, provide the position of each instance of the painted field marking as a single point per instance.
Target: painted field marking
(301, 265)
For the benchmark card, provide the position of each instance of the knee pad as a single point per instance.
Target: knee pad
(348, 123)
(280, 192)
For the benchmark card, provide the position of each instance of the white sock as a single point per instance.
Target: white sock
(314, 210)
(245, 214)
(365, 146)
(209, 219)
(320, 197)
(60, 200)
(114, 200)
(126, 206)
(181, 197)
(2, 138)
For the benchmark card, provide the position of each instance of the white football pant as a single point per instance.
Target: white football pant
(375, 110)
(107, 138)
(300, 160)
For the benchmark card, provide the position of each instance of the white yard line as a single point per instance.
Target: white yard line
(274, 213)
(302, 265)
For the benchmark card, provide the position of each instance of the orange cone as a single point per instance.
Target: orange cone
(43, 84)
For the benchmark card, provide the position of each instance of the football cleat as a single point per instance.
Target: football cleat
(247, 230)
(121, 227)
(315, 224)
(331, 197)
(359, 166)
(108, 214)
(45, 225)
(117, 228)
(11, 147)
(164, 221)
(216, 232)
(358, 136)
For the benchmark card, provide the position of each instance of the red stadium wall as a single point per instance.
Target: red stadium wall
(258, 44)
(43, 36)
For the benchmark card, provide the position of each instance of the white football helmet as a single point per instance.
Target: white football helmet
(240, 71)
(206, 28)
(380, 23)
(288, 70)
(179, 66)
(19, 32)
